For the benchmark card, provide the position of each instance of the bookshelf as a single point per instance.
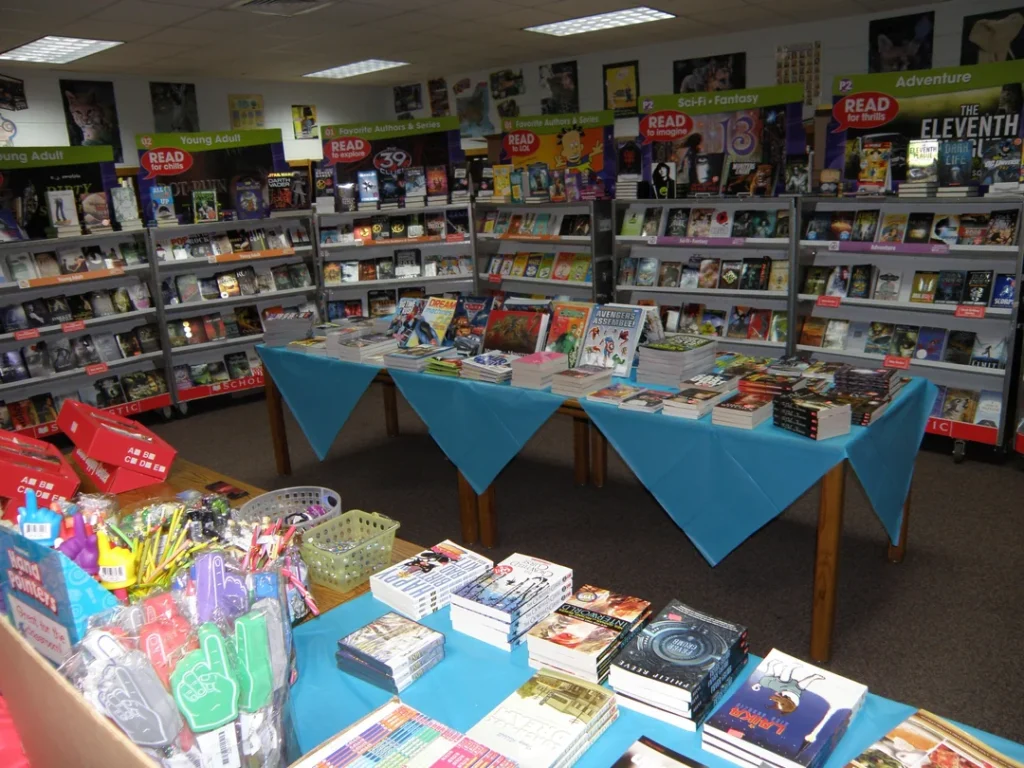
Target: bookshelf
(716, 301)
(497, 267)
(904, 271)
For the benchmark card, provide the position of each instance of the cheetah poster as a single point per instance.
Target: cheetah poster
(583, 142)
(981, 102)
(222, 162)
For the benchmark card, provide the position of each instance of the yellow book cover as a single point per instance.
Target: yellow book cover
(519, 265)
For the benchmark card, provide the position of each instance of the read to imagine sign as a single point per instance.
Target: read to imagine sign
(665, 126)
(165, 162)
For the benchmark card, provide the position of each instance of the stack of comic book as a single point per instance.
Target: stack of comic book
(678, 666)
(391, 652)
(493, 367)
(360, 349)
(674, 359)
(285, 326)
(537, 370)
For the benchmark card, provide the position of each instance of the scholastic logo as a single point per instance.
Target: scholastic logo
(346, 149)
(521, 143)
(165, 162)
(864, 110)
(665, 126)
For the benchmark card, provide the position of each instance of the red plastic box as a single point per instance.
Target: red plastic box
(27, 463)
(114, 441)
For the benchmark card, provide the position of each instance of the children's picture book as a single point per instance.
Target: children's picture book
(611, 338)
(569, 321)
(431, 327)
(874, 173)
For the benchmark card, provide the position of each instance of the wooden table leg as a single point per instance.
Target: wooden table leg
(598, 456)
(278, 435)
(488, 518)
(390, 408)
(826, 564)
(898, 550)
(468, 512)
(581, 450)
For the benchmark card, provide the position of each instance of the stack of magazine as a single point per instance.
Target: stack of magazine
(391, 652)
(679, 665)
(424, 584)
(801, 713)
(500, 607)
(583, 635)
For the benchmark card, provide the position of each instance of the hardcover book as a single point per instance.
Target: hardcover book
(568, 327)
(515, 331)
(611, 338)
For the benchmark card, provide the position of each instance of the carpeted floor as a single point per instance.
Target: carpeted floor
(937, 631)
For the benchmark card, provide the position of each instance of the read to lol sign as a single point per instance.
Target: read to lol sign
(665, 126)
(165, 162)
(521, 143)
(864, 110)
(346, 149)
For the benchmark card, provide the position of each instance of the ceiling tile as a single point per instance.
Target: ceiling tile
(689, 7)
(750, 16)
(44, 7)
(187, 36)
(43, 22)
(401, 5)
(350, 13)
(572, 9)
(469, 9)
(228, 21)
(139, 12)
(201, 4)
(108, 30)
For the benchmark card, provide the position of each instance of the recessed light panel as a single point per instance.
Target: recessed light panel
(623, 18)
(57, 50)
(358, 68)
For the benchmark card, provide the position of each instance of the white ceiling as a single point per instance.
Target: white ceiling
(438, 37)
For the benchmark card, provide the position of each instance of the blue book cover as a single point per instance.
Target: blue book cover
(930, 342)
(466, 331)
(1003, 291)
(788, 712)
(162, 197)
(10, 229)
(512, 586)
(955, 161)
(249, 203)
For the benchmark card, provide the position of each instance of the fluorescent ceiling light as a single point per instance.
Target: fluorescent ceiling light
(57, 50)
(623, 18)
(358, 68)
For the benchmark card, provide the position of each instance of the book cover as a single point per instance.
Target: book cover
(945, 228)
(977, 288)
(669, 274)
(892, 228)
(713, 322)
(813, 332)
(990, 408)
(730, 274)
(904, 341)
(646, 272)
(1003, 291)
(431, 327)
(61, 207)
(708, 173)
(835, 334)
(721, 223)
(919, 227)
(841, 226)
(390, 642)
(989, 351)
(580, 268)
(739, 322)
(865, 225)
(632, 221)
(838, 283)
(700, 222)
(760, 323)
(816, 280)
(819, 226)
(739, 179)
(709, 273)
(611, 338)
(924, 287)
(432, 575)
(591, 623)
(960, 405)
(512, 586)
(873, 175)
(879, 339)
(860, 281)
(923, 161)
(514, 331)
(652, 221)
(955, 160)
(950, 287)
(678, 221)
(887, 285)
(1002, 228)
(204, 206)
(959, 347)
(368, 188)
(689, 278)
(930, 343)
(973, 229)
(779, 329)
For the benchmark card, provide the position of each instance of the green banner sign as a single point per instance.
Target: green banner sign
(931, 81)
(202, 142)
(40, 157)
(714, 102)
(547, 124)
(391, 130)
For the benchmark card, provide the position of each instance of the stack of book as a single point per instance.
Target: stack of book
(760, 383)
(281, 328)
(334, 337)
(614, 394)
(63, 211)
(879, 383)
(581, 381)
(537, 370)
(493, 367)
(424, 584)
(391, 652)
(679, 665)
(812, 415)
(646, 400)
(801, 712)
(316, 345)
(821, 370)
(675, 358)
(694, 402)
(500, 607)
(583, 636)
(416, 358)
(549, 722)
(742, 410)
(450, 367)
(863, 410)
(363, 348)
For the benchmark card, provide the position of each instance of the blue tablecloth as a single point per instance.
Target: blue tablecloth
(474, 678)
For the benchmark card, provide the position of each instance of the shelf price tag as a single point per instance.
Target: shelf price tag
(974, 313)
(829, 301)
(96, 368)
(833, 245)
(494, 278)
(894, 361)
(26, 334)
(652, 240)
(73, 326)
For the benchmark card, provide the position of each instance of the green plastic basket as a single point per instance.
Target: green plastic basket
(375, 534)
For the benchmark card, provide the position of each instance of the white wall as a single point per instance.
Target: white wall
(844, 51)
(43, 124)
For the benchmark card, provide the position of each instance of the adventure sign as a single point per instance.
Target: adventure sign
(864, 110)
(165, 162)
(520, 143)
(665, 126)
(346, 149)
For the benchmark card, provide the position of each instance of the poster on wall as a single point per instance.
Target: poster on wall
(982, 103)
(692, 140)
(304, 123)
(27, 173)
(507, 83)
(901, 43)
(710, 73)
(91, 115)
(559, 88)
(8, 130)
(800, 63)
(472, 105)
(408, 99)
(234, 164)
(583, 142)
(622, 88)
(174, 107)
(987, 38)
(12, 94)
(438, 92)
(391, 147)
(246, 111)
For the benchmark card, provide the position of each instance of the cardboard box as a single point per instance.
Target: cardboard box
(115, 441)
(110, 479)
(30, 464)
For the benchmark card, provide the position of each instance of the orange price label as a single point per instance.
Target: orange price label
(72, 327)
(975, 313)
(829, 301)
(26, 334)
(494, 278)
(96, 368)
(894, 361)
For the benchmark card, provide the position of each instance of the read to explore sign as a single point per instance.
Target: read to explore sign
(346, 149)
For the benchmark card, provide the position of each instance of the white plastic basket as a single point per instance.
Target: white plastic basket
(277, 505)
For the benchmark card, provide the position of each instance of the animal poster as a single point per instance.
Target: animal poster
(800, 64)
(710, 73)
(982, 102)
(559, 88)
(246, 111)
(408, 99)
(304, 124)
(473, 106)
(12, 94)
(901, 43)
(991, 37)
(91, 115)
(507, 83)
(438, 92)
(622, 88)
(583, 141)
(174, 107)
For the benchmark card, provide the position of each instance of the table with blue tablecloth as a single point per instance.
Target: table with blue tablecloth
(474, 677)
(718, 484)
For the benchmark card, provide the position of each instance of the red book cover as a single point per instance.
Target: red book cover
(514, 331)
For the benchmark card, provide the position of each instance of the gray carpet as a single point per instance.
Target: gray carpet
(936, 631)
